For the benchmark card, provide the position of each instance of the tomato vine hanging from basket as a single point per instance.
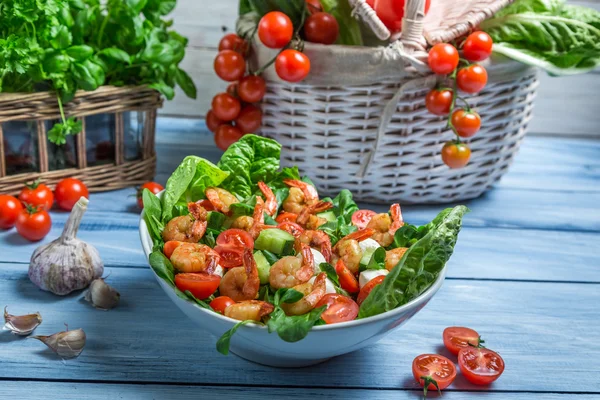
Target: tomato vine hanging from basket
(234, 112)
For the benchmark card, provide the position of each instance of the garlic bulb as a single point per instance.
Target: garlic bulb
(21, 325)
(101, 295)
(67, 263)
(68, 344)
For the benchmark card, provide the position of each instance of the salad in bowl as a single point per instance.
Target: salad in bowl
(245, 242)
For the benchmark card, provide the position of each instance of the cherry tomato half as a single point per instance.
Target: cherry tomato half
(438, 102)
(153, 187)
(233, 42)
(275, 30)
(37, 194)
(33, 224)
(480, 366)
(443, 58)
(226, 135)
(249, 120)
(321, 28)
(252, 89)
(212, 121)
(456, 338)
(340, 308)
(201, 285)
(433, 367)
(466, 123)
(366, 290)
(230, 246)
(456, 155)
(361, 218)
(226, 107)
(286, 216)
(230, 65)
(68, 192)
(219, 304)
(170, 247)
(10, 207)
(478, 46)
(347, 280)
(292, 66)
(472, 79)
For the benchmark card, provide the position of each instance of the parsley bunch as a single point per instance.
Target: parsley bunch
(68, 45)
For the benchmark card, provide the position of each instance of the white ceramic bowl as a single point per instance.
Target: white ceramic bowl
(255, 343)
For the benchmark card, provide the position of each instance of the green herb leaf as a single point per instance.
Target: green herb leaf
(116, 54)
(186, 83)
(163, 267)
(225, 339)
(80, 53)
(349, 27)
(331, 273)
(293, 328)
(60, 37)
(152, 214)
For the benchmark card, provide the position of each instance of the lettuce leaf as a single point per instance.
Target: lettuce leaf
(419, 267)
(248, 161)
(562, 39)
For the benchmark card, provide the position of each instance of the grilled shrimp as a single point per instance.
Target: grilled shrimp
(313, 292)
(270, 199)
(241, 283)
(187, 228)
(291, 271)
(221, 199)
(316, 239)
(194, 257)
(244, 223)
(249, 309)
(308, 218)
(301, 195)
(349, 251)
(386, 226)
(392, 257)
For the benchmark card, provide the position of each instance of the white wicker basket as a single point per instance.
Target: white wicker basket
(332, 129)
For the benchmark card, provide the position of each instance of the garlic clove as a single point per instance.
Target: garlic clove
(21, 325)
(101, 295)
(68, 344)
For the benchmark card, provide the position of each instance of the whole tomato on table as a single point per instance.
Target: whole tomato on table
(69, 191)
(10, 207)
(33, 223)
(37, 194)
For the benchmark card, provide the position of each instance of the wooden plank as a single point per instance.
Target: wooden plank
(536, 327)
(99, 391)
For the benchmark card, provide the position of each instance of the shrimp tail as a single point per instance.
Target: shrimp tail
(252, 284)
(313, 209)
(308, 264)
(198, 229)
(271, 201)
(258, 218)
(310, 193)
(318, 291)
(397, 220)
(358, 236)
(212, 261)
(197, 211)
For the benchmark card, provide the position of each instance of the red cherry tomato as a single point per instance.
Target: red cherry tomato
(429, 368)
(340, 308)
(480, 366)
(252, 89)
(286, 216)
(154, 187)
(321, 28)
(226, 107)
(366, 290)
(314, 6)
(391, 12)
(456, 338)
(37, 194)
(170, 247)
(230, 246)
(33, 224)
(347, 280)
(472, 79)
(466, 123)
(226, 135)
(230, 65)
(478, 46)
(212, 121)
(10, 207)
(232, 89)
(361, 218)
(275, 30)
(68, 191)
(219, 304)
(443, 58)
(291, 227)
(233, 42)
(438, 101)
(456, 155)
(292, 66)
(249, 120)
(201, 285)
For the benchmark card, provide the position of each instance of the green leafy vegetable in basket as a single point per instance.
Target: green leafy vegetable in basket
(65, 46)
(561, 38)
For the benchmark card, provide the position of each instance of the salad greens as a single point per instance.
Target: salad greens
(253, 159)
(561, 38)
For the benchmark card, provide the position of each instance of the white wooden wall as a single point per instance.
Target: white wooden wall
(565, 106)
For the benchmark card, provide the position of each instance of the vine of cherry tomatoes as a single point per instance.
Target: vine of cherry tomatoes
(234, 112)
(464, 75)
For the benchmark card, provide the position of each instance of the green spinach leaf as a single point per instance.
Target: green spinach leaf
(225, 339)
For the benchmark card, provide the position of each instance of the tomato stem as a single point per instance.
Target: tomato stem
(467, 106)
(479, 343)
(33, 185)
(453, 104)
(427, 380)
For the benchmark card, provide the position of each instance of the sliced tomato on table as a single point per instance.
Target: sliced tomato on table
(457, 337)
(340, 308)
(286, 217)
(433, 371)
(230, 246)
(201, 285)
(364, 292)
(348, 281)
(479, 365)
(361, 218)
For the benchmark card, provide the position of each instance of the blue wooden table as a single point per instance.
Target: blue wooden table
(525, 274)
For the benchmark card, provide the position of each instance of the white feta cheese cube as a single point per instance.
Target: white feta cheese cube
(329, 286)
